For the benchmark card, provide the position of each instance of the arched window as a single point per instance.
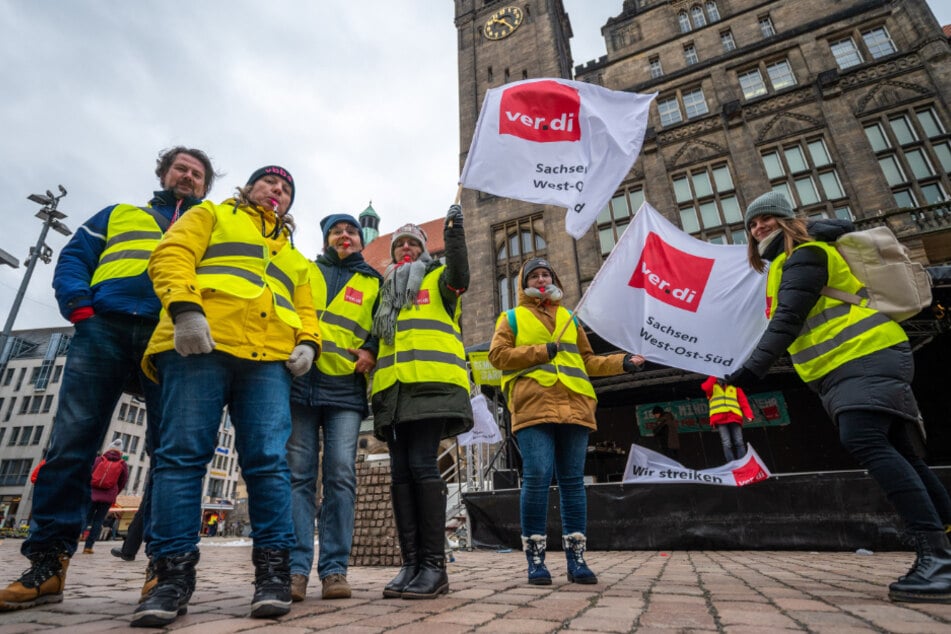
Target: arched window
(518, 241)
(684, 22)
(713, 14)
(696, 12)
(521, 243)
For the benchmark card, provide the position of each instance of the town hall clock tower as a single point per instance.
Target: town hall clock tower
(502, 42)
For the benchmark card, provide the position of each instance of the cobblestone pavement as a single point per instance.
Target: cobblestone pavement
(642, 591)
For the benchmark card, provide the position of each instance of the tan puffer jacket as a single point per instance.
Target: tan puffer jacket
(530, 403)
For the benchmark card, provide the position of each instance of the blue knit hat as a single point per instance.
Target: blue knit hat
(769, 204)
(276, 170)
(327, 223)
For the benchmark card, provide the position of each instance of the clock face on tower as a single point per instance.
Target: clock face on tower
(502, 23)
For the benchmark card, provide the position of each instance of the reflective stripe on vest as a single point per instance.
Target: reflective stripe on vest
(237, 262)
(724, 401)
(567, 366)
(346, 322)
(131, 236)
(834, 332)
(427, 346)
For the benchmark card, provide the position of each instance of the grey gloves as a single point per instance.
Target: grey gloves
(552, 349)
(454, 216)
(192, 334)
(302, 357)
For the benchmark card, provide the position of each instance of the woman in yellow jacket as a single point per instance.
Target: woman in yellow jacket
(552, 404)
(238, 322)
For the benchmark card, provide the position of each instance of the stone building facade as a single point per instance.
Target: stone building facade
(841, 105)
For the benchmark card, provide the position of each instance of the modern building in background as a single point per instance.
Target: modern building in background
(842, 106)
(31, 368)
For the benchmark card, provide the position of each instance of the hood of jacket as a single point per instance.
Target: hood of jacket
(829, 229)
(354, 263)
(113, 455)
(165, 198)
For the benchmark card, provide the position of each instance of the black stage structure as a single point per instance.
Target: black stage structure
(818, 498)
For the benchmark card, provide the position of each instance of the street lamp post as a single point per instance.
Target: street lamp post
(51, 219)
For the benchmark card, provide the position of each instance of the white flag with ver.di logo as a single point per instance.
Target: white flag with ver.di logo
(556, 142)
(676, 300)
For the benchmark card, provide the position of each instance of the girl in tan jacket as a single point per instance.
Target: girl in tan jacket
(552, 402)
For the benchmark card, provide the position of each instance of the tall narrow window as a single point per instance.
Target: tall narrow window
(684, 22)
(766, 26)
(726, 39)
(696, 13)
(690, 54)
(713, 14)
(656, 69)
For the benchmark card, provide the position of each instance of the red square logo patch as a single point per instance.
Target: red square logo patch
(353, 296)
(541, 111)
(422, 297)
(671, 275)
(749, 473)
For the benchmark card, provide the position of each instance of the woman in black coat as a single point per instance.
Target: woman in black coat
(860, 363)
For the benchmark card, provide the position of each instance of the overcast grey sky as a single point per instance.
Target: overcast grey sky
(357, 98)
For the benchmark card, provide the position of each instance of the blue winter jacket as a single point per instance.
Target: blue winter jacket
(316, 389)
(79, 258)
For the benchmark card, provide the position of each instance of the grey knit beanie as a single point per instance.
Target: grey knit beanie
(769, 204)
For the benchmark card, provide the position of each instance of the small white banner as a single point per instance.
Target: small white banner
(646, 466)
(486, 430)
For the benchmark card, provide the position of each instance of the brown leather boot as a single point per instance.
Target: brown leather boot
(42, 583)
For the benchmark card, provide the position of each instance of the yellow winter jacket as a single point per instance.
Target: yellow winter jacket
(247, 328)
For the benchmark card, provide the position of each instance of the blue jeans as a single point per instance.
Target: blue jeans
(553, 449)
(341, 427)
(103, 359)
(94, 519)
(195, 390)
(879, 442)
(731, 437)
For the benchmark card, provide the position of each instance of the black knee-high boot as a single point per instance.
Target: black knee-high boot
(404, 510)
(431, 580)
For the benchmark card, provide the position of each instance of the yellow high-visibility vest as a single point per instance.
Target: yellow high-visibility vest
(131, 236)
(724, 401)
(427, 346)
(344, 321)
(237, 261)
(834, 332)
(567, 366)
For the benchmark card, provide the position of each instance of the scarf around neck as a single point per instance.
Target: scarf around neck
(400, 290)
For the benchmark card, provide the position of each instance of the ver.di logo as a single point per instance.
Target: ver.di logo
(670, 275)
(541, 111)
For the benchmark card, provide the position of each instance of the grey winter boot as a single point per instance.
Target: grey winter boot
(534, 547)
(578, 571)
(929, 579)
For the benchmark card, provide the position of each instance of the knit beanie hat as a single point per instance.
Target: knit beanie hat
(531, 265)
(116, 444)
(409, 230)
(769, 204)
(277, 171)
(329, 221)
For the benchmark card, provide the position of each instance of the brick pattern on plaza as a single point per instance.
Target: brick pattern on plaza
(374, 534)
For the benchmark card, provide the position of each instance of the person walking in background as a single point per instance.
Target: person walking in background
(238, 322)
(110, 473)
(728, 409)
(332, 399)
(860, 363)
(545, 359)
(666, 432)
(420, 394)
(102, 287)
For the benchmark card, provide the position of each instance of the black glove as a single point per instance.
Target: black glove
(741, 378)
(630, 367)
(454, 216)
(552, 350)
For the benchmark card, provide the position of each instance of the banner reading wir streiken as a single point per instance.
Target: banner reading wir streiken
(556, 142)
(676, 300)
